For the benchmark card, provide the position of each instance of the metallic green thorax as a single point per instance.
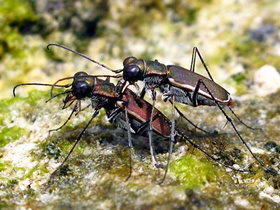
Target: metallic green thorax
(137, 69)
(82, 76)
(155, 68)
(103, 87)
(95, 85)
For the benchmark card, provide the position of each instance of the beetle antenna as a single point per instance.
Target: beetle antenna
(252, 128)
(42, 84)
(84, 56)
(59, 94)
(54, 84)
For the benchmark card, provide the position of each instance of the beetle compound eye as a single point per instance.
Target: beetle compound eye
(129, 60)
(131, 73)
(81, 89)
(80, 73)
(80, 76)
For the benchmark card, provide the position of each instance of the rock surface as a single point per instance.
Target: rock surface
(236, 39)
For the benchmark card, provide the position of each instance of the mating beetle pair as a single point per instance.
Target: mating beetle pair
(178, 84)
(125, 110)
(130, 111)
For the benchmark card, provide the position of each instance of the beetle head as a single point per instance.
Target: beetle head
(82, 85)
(133, 69)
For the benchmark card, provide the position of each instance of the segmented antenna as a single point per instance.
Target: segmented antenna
(59, 94)
(84, 56)
(42, 84)
(54, 84)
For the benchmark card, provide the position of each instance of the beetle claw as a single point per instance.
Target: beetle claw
(158, 165)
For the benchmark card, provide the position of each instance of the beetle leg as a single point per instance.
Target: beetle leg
(195, 93)
(266, 169)
(211, 156)
(114, 114)
(150, 132)
(129, 143)
(196, 51)
(65, 106)
(143, 92)
(80, 105)
(74, 109)
(141, 129)
(72, 149)
(252, 128)
(172, 139)
(82, 109)
(120, 87)
(138, 89)
(195, 126)
(193, 60)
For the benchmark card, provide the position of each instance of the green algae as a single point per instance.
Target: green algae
(237, 80)
(30, 173)
(192, 172)
(11, 134)
(4, 165)
(16, 102)
(56, 147)
(16, 11)
(95, 174)
(15, 15)
(35, 95)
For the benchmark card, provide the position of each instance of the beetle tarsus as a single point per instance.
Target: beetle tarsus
(271, 171)
(234, 128)
(172, 139)
(252, 128)
(129, 143)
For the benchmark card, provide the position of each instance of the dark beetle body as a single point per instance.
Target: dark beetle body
(129, 111)
(122, 106)
(102, 95)
(184, 86)
(186, 80)
(140, 111)
(175, 80)
(176, 84)
(100, 92)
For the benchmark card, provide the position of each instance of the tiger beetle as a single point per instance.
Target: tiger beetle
(126, 110)
(178, 84)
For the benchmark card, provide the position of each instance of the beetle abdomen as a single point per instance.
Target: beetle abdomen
(187, 80)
